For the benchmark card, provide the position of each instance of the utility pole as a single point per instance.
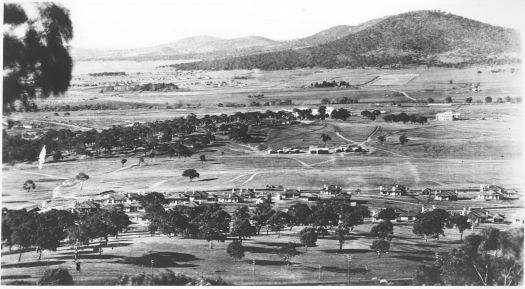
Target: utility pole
(348, 259)
(320, 272)
(253, 270)
(152, 263)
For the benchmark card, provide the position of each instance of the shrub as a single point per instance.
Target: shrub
(56, 276)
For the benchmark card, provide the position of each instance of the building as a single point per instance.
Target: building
(200, 197)
(490, 195)
(310, 197)
(393, 190)
(87, 206)
(343, 198)
(405, 216)
(447, 115)
(317, 150)
(229, 198)
(174, 199)
(478, 216)
(330, 190)
(117, 199)
(446, 196)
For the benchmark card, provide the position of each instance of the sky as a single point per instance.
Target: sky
(113, 24)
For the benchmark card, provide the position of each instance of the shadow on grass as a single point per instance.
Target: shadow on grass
(94, 256)
(254, 249)
(161, 260)
(17, 251)
(343, 270)
(427, 245)
(347, 251)
(10, 277)
(32, 264)
(117, 245)
(210, 179)
(268, 262)
(415, 258)
(279, 244)
(426, 252)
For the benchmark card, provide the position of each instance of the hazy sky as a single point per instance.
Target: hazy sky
(133, 24)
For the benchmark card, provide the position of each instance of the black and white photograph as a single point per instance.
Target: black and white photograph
(262, 143)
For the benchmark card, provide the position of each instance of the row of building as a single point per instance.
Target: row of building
(485, 192)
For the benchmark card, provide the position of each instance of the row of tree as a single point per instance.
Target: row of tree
(46, 230)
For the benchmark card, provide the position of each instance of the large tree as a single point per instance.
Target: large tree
(431, 223)
(299, 214)
(308, 237)
(36, 57)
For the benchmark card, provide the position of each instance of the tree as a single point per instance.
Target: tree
(430, 223)
(260, 216)
(488, 99)
(430, 100)
(203, 158)
(141, 161)
(340, 234)
(299, 214)
(380, 246)
(387, 214)
(190, 173)
(81, 177)
(56, 276)
(28, 185)
(322, 112)
(325, 138)
(277, 221)
(308, 237)
(36, 56)
(287, 252)
(381, 138)
(468, 100)
(173, 222)
(123, 161)
(403, 139)
(461, 222)
(57, 155)
(448, 99)
(50, 230)
(235, 249)
(383, 230)
(212, 223)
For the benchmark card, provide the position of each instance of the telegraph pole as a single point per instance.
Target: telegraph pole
(348, 259)
(320, 272)
(253, 270)
(152, 263)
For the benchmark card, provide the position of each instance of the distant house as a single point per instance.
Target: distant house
(490, 195)
(288, 194)
(117, 199)
(310, 197)
(87, 206)
(176, 198)
(318, 150)
(393, 190)
(478, 216)
(229, 198)
(448, 115)
(404, 215)
(498, 218)
(200, 197)
(342, 198)
(330, 190)
(133, 207)
(446, 195)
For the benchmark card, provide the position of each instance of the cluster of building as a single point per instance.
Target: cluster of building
(485, 192)
(350, 148)
(447, 115)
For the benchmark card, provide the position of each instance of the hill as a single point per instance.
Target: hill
(420, 37)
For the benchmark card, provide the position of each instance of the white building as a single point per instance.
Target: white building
(447, 115)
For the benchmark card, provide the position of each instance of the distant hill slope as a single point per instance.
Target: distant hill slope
(421, 37)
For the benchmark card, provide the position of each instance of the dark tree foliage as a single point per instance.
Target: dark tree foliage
(431, 223)
(56, 276)
(308, 237)
(235, 249)
(37, 63)
(299, 214)
(383, 230)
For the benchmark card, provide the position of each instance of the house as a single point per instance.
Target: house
(229, 198)
(117, 199)
(478, 216)
(393, 190)
(330, 190)
(288, 194)
(310, 197)
(426, 192)
(405, 216)
(133, 207)
(200, 197)
(176, 198)
(87, 206)
(446, 195)
(317, 150)
(342, 198)
(490, 195)
(447, 115)
(498, 218)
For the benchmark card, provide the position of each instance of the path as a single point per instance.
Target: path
(250, 179)
(405, 94)
(40, 174)
(65, 124)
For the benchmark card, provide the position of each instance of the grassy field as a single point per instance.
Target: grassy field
(485, 148)
(131, 253)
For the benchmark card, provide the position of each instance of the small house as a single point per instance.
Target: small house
(310, 197)
(426, 192)
(446, 195)
(229, 198)
(87, 206)
(176, 198)
(330, 190)
(447, 116)
(393, 190)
